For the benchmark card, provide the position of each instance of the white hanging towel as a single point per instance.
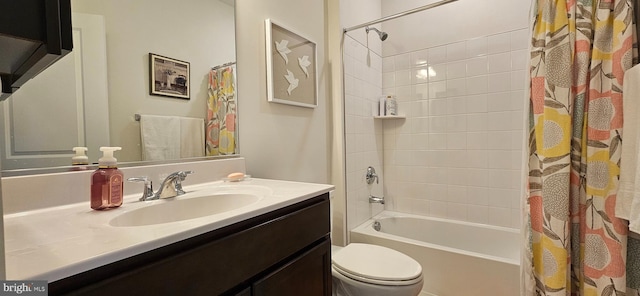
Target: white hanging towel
(160, 137)
(191, 137)
(628, 198)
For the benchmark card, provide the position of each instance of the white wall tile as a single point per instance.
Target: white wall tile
(456, 105)
(477, 66)
(477, 47)
(477, 103)
(457, 194)
(456, 51)
(402, 61)
(437, 55)
(519, 59)
(520, 39)
(420, 57)
(477, 159)
(499, 140)
(438, 72)
(518, 80)
(438, 209)
(476, 140)
(457, 211)
(420, 74)
(438, 192)
(477, 85)
(500, 217)
(499, 121)
(438, 124)
(477, 122)
(500, 62)
(437, 90)
(457, 176)
(478, 195)
(499, 159)
(478, 214)
(438, 107)
(477, 177)
(519, 100)
(457, 123)
(516, 218)
(499, 43)
(402, 78)
(437, 141)
(456, 69)
(457, 141)
(456, 87)
(388, 80)
(500, 102)
(499, 82)
(421, 91)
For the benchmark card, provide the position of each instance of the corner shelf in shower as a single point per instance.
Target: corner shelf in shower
(390, 117)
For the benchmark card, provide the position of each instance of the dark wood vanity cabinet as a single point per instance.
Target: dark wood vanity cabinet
(283, 252)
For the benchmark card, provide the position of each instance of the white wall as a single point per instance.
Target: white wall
(457, 154)
(280, 141)
(205, 40)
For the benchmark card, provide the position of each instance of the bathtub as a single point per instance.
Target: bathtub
(457, 258)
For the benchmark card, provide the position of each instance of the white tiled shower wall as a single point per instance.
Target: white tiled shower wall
(363, 86)
(458, 152)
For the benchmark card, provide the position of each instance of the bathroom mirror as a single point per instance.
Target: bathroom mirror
(100, 108)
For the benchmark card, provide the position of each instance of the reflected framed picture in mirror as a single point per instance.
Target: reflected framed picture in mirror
(168, 77)
(291, 67)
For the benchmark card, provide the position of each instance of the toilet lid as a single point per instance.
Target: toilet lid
(376, 263)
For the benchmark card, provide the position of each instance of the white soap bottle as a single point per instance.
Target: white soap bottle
(391, 106)
(80, 158)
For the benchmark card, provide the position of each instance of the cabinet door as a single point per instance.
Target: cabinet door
(309, 274)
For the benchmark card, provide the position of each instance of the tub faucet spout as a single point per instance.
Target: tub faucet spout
(375, 199)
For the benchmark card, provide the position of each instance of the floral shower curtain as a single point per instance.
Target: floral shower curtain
(221, 112)
(580, 50)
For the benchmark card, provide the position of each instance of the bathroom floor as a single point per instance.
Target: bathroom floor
(423, 293)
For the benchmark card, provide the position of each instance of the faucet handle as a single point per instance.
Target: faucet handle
(182, 175)
(148, 187)
(371, 175)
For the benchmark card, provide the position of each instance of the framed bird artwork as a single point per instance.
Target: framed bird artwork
(291, 67)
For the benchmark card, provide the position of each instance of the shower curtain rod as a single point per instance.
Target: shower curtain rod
(397, 15)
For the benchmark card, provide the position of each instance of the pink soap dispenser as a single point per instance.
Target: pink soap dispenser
(107, 181)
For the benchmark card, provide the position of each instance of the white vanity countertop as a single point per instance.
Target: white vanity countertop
(58, 242)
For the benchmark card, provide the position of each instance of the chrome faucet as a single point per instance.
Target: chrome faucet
(371, 175)
(375, 199)
(170, 187)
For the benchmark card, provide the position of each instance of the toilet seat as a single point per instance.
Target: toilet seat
(377, 265)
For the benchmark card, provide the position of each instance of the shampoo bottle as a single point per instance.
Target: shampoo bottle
(107, 181)
(391, 106)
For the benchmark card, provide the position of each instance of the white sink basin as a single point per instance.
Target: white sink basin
(172, 210)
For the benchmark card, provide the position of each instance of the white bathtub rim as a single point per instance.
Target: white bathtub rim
(392, 214)
(366, 228)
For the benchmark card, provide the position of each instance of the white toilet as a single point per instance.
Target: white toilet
(371, 270)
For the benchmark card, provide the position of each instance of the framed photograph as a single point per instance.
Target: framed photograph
(291, 67)
(169, 77)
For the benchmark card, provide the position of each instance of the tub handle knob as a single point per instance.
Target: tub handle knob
(371, 175)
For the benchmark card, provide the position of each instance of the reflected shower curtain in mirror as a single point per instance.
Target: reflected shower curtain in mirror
(579, 53)
(221, 112)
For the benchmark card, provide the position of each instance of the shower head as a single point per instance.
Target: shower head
(383, 35)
